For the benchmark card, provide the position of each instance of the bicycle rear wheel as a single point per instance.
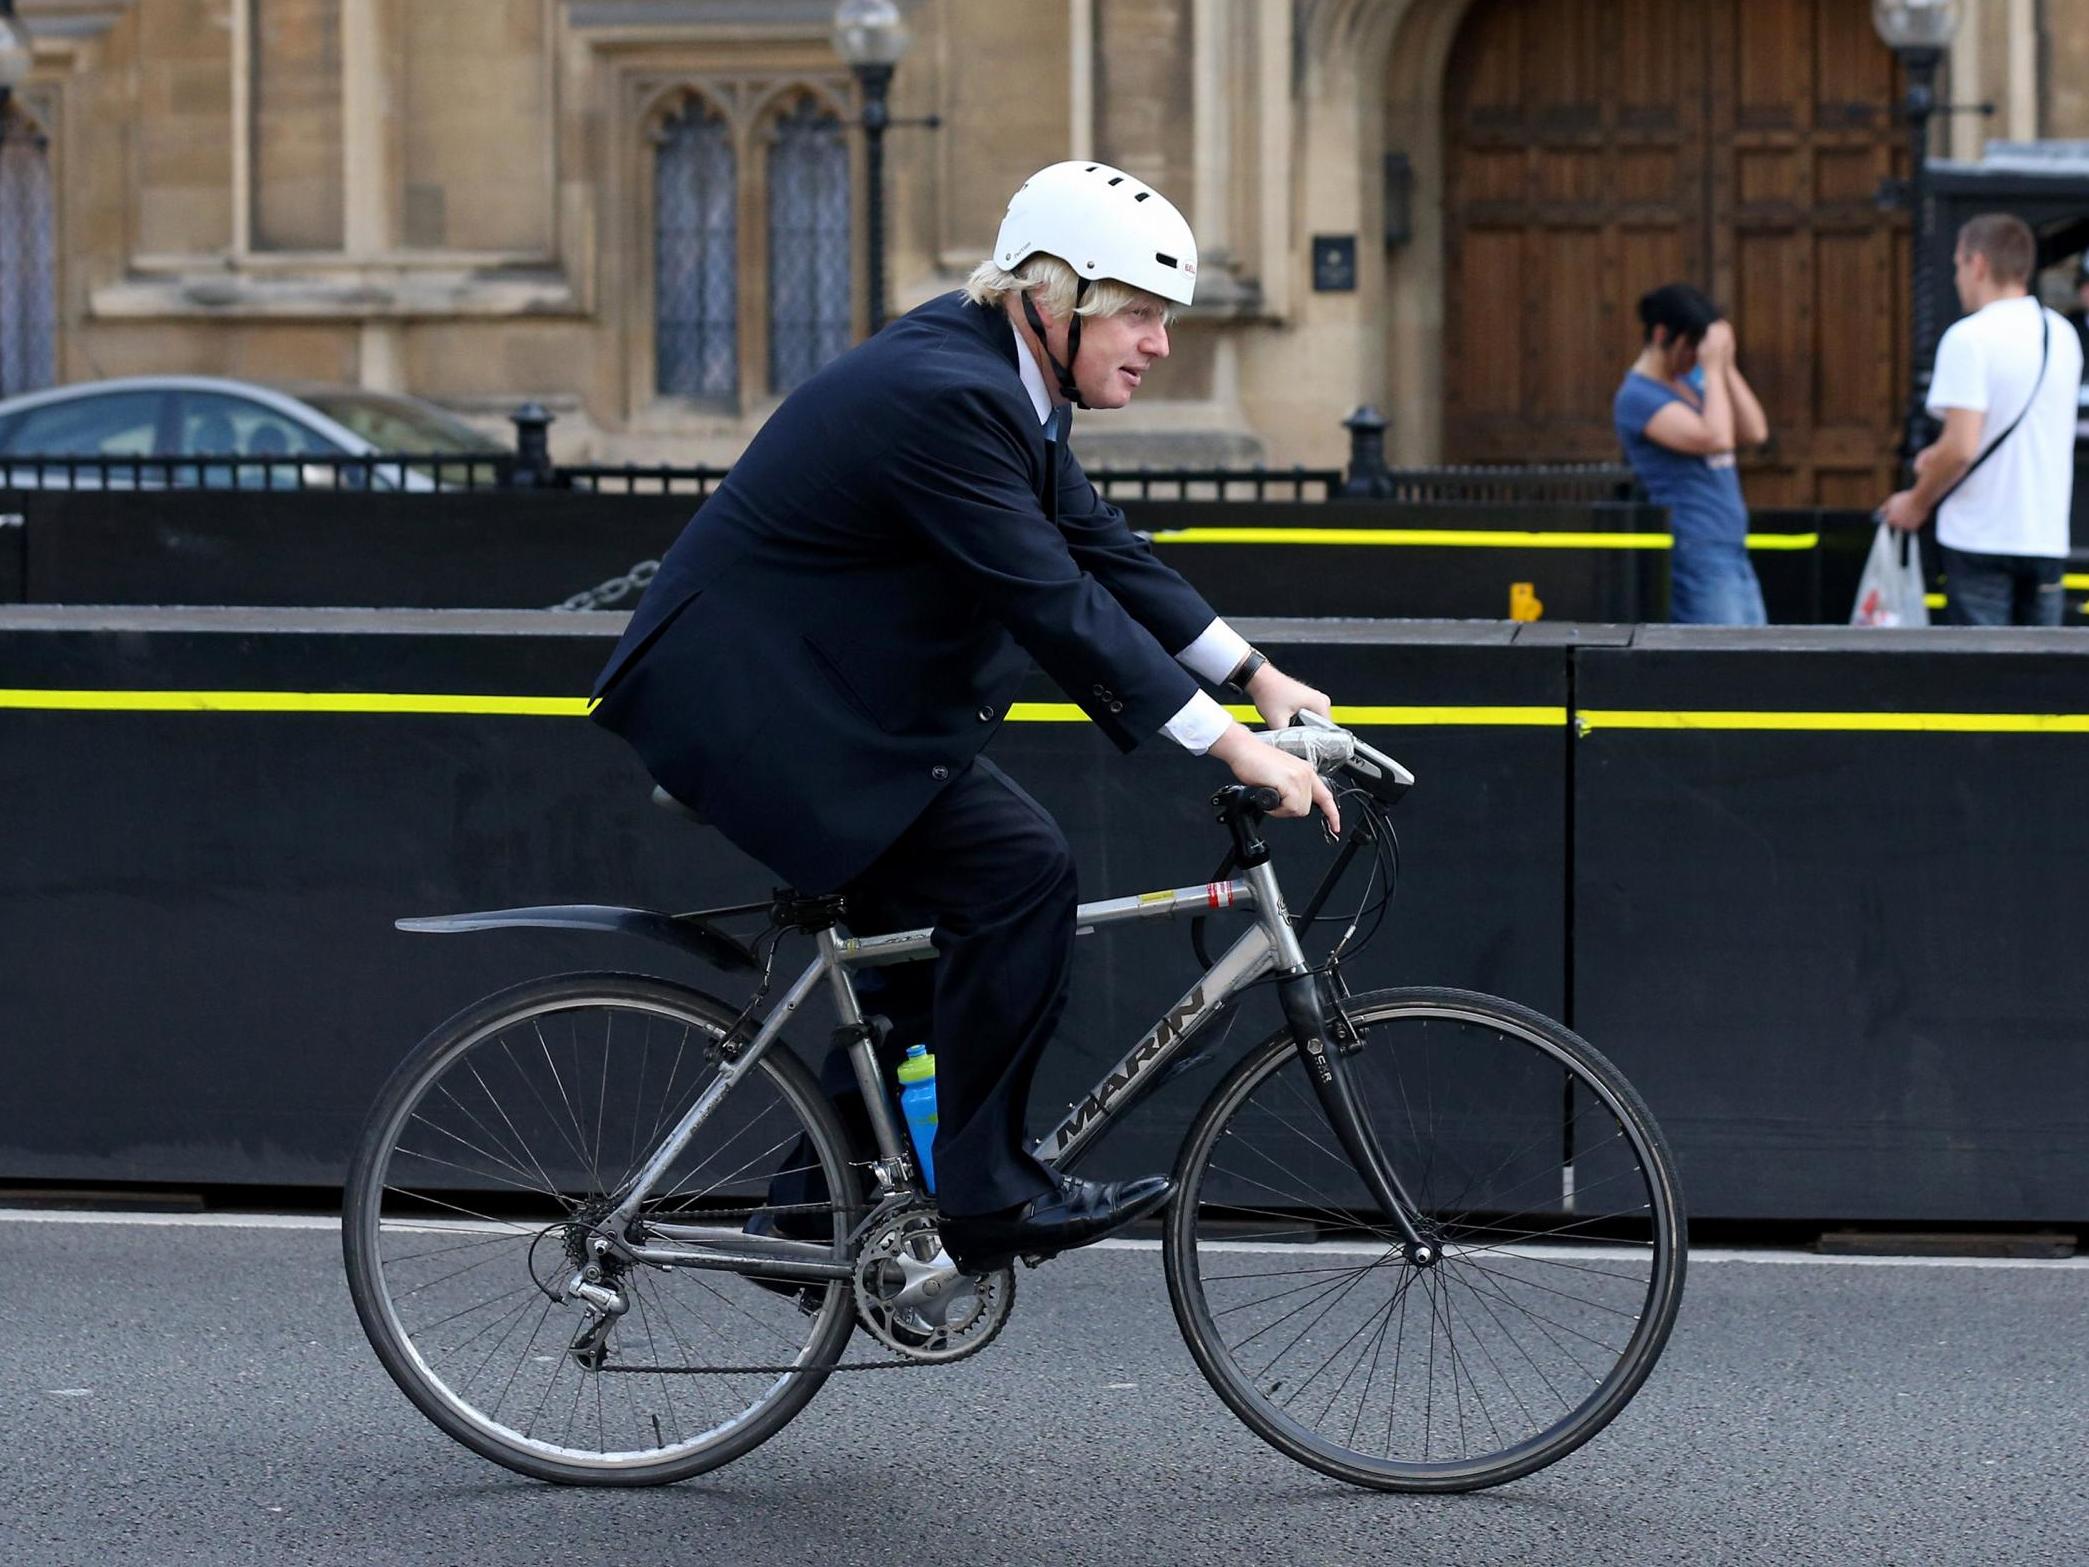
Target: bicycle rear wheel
(495, 1145)
(1558, 1228)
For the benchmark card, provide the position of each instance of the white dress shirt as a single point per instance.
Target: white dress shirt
(1218, 648)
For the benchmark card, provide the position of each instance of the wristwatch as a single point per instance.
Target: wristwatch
(1240, 677)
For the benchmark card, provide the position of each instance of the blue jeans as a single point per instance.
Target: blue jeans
(2001, 590)
(1713, 585)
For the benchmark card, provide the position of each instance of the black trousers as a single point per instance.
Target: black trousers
(989, 869)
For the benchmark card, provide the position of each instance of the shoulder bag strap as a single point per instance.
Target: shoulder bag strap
(2045, 353)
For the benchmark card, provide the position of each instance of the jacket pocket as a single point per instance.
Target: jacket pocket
(862, 694)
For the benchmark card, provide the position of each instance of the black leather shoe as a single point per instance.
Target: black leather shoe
(1075, 1215)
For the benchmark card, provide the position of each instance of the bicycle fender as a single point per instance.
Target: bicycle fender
(690, 932)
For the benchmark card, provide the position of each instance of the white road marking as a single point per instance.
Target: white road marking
(322, 1221)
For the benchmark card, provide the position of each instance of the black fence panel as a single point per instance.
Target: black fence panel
(1588, 562)
(483, 550)
(1809, 888)
(1840, 959)
(196, 954)
(523, 549)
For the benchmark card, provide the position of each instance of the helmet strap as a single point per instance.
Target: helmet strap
(1064, 372)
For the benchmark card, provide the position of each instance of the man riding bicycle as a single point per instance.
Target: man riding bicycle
(839, 631)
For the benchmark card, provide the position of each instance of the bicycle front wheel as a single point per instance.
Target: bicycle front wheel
(1556, 1226)
(496, 1146)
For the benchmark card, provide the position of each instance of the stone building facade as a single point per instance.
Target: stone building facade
(648, 214)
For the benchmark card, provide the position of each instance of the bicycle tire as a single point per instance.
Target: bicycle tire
(446, 1168)
(1504, 1239)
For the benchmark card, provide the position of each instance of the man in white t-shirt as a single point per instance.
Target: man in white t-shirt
(2004, 531)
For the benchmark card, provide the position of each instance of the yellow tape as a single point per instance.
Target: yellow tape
(1463, 538)
(298, 702)
(1351, 717)
(1487, 717)
(1588, 719)
(1907, 723)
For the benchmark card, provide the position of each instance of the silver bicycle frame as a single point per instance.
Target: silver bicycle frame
(1269, 944)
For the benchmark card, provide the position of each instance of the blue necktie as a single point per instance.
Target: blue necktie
(1056, 430)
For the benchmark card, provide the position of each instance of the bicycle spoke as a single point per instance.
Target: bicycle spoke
(483, 1198)
(1474, 1366)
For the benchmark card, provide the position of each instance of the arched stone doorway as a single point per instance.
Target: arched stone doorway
(1593, 149)
(28, 271)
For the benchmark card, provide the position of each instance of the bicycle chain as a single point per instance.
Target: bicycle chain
(896, 1363)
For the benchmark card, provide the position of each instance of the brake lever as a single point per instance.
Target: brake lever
(1373, 759)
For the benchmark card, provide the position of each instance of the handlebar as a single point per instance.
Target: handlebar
(1331, 748)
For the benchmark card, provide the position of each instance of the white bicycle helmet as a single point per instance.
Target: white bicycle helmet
(1104, 224)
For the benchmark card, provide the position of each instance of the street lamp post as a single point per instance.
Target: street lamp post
(15, 58)
(871, 37)
(1918, 32)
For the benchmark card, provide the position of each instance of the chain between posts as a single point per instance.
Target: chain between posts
(612, 589)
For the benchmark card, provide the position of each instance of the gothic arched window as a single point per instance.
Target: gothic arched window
(28, 292)
(696, 256)
(809, 252)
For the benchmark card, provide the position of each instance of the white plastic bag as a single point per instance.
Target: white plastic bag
(1890, 591)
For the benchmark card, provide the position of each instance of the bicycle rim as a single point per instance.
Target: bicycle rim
(496, 1145)
(1550, 1199)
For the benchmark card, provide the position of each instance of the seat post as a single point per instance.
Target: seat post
(863, 1055)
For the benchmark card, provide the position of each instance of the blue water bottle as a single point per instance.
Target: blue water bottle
(917, 1102)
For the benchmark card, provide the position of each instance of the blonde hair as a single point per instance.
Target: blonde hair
(1054, 284)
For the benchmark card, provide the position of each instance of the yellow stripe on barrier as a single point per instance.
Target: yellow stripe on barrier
(1463, 538)
(1484, 717)
(1591, 719)
(298, 702)
(1353, 717)
(576, 707)
(1587, 720)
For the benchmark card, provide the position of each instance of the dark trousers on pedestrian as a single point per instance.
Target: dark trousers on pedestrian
(989, 869)
(2001, 590)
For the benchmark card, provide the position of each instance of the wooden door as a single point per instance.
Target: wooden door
(1598, 148)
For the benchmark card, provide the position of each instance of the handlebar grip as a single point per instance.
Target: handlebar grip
(1264, 800)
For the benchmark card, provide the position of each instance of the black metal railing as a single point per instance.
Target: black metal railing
(640, 479)
(1254, 482)
(530, 466)
(391, 471)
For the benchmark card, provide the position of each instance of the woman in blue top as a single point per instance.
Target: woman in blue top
(1679, 432)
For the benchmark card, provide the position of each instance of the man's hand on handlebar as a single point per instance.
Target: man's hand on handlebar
(1299, 787)
(1279, 698)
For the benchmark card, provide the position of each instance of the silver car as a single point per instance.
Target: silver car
(285, 435)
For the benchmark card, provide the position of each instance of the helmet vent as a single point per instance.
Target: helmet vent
(1142, 195)
(1119, 180)
(1165, 259)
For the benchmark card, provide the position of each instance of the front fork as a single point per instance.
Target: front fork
(1324, 1037)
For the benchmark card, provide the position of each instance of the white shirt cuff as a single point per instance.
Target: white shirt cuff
(1215, 654)
(1197, 727)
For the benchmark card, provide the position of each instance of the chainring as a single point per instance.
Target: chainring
(913, 1299)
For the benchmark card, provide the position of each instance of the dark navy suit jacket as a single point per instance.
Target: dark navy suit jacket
(843, 624)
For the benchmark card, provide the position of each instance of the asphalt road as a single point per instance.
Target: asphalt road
(200, 1392)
